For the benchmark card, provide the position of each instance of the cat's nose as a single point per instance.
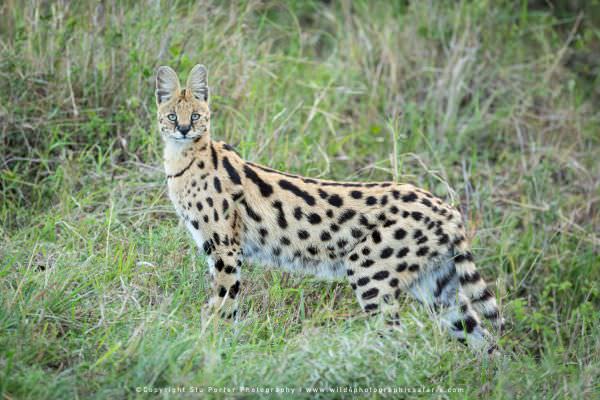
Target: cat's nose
(183, 129)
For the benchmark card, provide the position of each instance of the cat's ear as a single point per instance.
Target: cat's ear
(167, 84)
(197, 82)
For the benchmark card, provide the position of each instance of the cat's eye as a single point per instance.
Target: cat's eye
(172, 117)
(195, 117)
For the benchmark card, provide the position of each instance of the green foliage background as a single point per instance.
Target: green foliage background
(491, 104)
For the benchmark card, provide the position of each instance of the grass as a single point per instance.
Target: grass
(493, 105)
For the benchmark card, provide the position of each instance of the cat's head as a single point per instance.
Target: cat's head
(183, 113)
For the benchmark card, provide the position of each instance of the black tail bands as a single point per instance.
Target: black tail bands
(474, 287)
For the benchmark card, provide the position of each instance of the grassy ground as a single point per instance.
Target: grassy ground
(492, 104)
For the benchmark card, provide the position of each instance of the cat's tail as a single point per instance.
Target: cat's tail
(474, 287)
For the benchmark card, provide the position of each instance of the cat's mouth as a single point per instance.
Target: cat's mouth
(199, 132)
(186, 138)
